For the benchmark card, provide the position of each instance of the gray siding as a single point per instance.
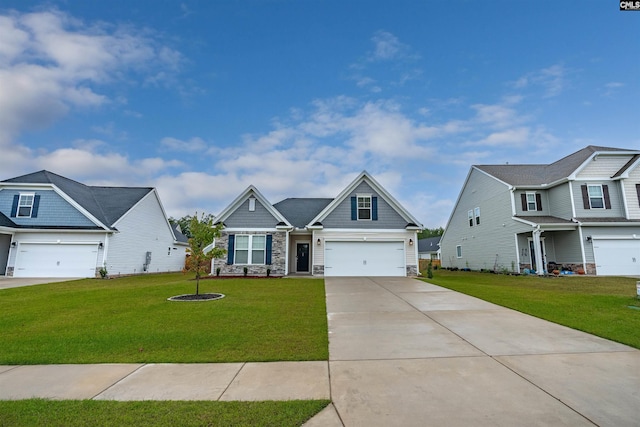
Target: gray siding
(567, 247)
(388, 218)
(633, 200)
(53, 210)
(243, 218)
(544, 199)
(604, 167)
(560, 201)
(615, 195)
(493, 241)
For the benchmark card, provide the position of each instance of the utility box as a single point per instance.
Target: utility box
(147, 261)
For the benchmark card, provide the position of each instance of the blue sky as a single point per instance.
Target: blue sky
(204, 98)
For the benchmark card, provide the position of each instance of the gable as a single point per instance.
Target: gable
(52, 210)
(603, 166)
(243, 217)
(387, 216)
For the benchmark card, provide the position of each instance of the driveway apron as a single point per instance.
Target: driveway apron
(407, 353)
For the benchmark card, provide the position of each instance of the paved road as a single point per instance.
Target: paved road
(407, 353)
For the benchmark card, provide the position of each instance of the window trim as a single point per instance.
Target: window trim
(470, 217)
(601, 197)
(476, 214)
(20, 205)
(529, 202)
(458, 251)
(358, 208)
(250, 249)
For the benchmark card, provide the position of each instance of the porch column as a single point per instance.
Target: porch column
(537, 250)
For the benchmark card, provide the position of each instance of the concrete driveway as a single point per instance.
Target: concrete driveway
(407, 353)
(15, 282)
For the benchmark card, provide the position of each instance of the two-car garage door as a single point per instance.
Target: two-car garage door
(617, 257)
(364, 258)
(56, 260)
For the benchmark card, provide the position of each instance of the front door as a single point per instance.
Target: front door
(302, 257)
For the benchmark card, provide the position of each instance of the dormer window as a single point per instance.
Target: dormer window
(364, 207)
(25, 205)
(252, 204)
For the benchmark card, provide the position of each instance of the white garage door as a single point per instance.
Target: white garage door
(617, 257)
(364, 259)
(56, 260)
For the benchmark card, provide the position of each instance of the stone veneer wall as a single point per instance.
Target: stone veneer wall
(278, 257)
(412, 270)
(318, 270)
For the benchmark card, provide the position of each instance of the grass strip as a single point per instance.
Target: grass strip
(91, 413)
(597, 305)
(129, 320)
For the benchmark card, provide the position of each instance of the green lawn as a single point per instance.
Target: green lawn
(129, 320)
(91, 413)
(598, 305)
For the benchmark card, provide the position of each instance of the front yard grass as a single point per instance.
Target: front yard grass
(597, 305)
(90, 413)
(129, 320)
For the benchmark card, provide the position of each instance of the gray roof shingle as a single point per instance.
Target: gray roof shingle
(429, 244)
(106, 204)
(299, 211)
(538, 174)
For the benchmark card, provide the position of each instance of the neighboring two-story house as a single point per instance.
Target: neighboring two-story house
(364, 231)
(581, 213)
(52, 226)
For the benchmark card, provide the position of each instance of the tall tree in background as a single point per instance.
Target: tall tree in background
(430, 232)
(185, 223)
(202, 232)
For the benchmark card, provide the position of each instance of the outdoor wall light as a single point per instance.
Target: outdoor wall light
(410, 242)
(318, 242)
(100, 245)
(14, 244)
(589, 238)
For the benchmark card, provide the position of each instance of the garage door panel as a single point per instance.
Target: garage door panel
(56, 260)
(617, 257)
(365, 259)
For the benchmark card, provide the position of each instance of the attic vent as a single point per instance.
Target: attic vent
(252, 204)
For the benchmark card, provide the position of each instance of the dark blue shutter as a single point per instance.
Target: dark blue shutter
(268, 254)
(374, 208)
(14, 207)
(354, 209)
(232, 239)
(36, 205)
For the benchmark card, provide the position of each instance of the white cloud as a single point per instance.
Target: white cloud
(193, 145)
(552, 80)
(51, 62)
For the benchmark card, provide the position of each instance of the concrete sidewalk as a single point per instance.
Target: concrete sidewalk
(205, 381)
(404, 352)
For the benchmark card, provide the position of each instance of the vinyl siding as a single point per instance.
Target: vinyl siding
(242, 217)
(567, 247)
(53, 210)
(492, 243)
(143, 229)
(388, 218)
(633, 204)
(560, 201)
(604, 167)
(324, 235)
(617, 209)
(543, 198)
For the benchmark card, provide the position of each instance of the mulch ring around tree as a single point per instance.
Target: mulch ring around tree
(194, 297)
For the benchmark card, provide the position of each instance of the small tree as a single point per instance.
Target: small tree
(203, 232)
